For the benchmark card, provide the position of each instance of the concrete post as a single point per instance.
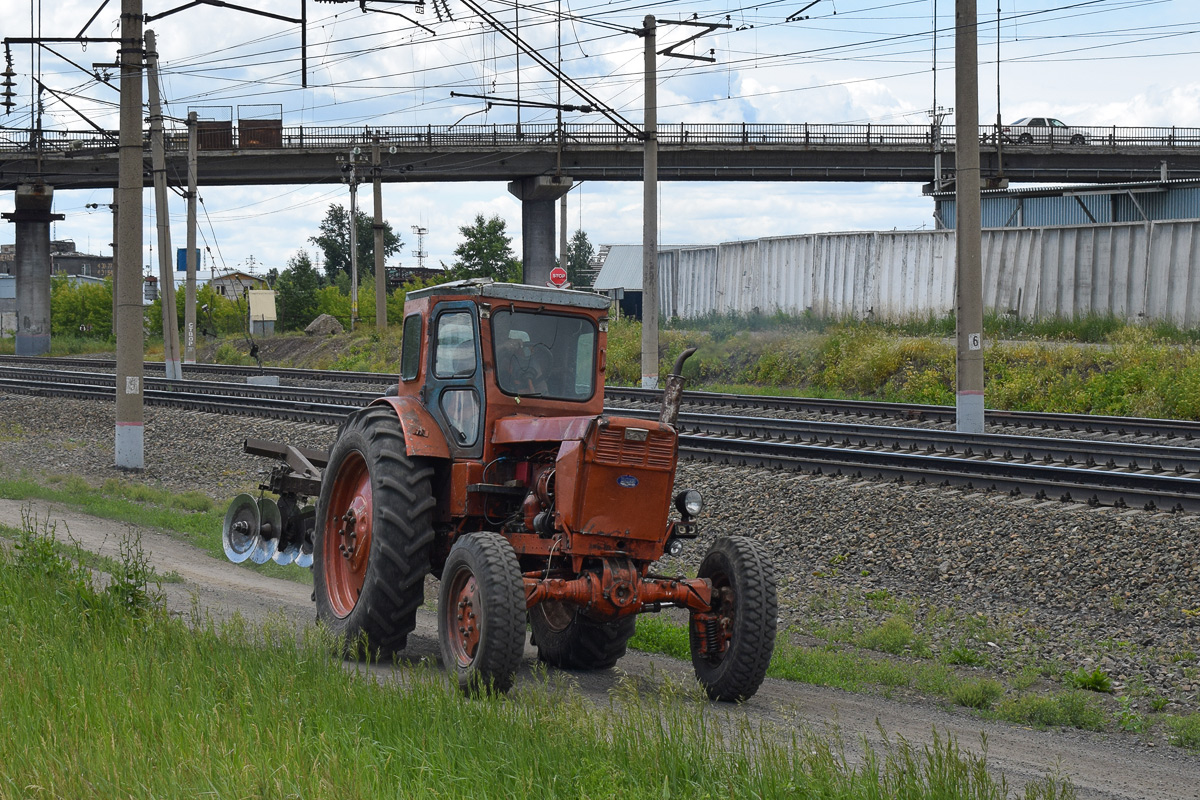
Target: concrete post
(537, 195)
(116, 234)
(130, 432)
(353, 249)
(189, 300)
(32, 266)
(968, 240)
(377, 227)
(562, 234)
(166, 269)
(650, 214)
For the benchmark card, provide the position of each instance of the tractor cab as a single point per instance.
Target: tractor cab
(475, 351)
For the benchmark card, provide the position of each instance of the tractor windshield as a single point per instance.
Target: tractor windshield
(544, 355)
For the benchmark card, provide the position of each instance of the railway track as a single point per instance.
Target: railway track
(1100, 472)
(716, 402)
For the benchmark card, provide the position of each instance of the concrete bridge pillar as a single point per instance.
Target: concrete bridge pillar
(32, 266)
(537, 195)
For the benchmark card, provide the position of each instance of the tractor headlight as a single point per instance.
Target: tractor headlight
(689, 503)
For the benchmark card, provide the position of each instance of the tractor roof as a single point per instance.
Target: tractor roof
(519, 292)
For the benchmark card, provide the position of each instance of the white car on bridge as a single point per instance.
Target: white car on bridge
(1043, 130)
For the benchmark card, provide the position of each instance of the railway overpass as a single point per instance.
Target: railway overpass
(687, 152)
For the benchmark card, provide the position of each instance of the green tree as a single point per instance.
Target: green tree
(485, 252)
(579, 255)
(296, 293)
(80, 308)
(334, 241)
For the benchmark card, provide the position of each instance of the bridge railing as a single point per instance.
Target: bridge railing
(542, 135)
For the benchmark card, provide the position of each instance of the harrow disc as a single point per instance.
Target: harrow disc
(240, 530)
(270, 526)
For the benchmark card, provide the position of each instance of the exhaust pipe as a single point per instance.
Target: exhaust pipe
(673, 390)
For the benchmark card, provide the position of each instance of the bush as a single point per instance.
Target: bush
(894, 636)
(977, 694)
(82, 310)
(1067, 710)
(1095, 681)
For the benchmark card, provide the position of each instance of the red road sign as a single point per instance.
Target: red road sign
(558, 276)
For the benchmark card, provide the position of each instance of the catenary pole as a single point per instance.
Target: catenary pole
(189, 292)
(353, 245)
(562, 233)
(969, 249)
(377, 227)
(129, 450)
(162, 213)
(650, 216)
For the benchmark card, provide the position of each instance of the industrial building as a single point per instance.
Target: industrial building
(1089, 204)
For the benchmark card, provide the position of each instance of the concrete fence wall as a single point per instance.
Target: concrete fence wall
(1135, 271)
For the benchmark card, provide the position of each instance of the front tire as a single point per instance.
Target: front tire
(568, 640)
(743, 619)
(374, 530)
(481, 613)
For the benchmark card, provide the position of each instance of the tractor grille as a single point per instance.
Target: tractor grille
(657, 450)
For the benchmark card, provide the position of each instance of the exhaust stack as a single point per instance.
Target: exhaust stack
(673, 390)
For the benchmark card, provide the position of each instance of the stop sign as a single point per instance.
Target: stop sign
(558, 276)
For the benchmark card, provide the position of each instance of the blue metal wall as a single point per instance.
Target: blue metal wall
(1034, 212)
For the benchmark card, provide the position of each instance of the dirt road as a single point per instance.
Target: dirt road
(1099, 765)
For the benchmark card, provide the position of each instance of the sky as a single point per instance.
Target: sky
(1087, 62)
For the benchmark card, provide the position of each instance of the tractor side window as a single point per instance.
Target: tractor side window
(461, 407)
(544, 355)
(454, 356)
(410, 349)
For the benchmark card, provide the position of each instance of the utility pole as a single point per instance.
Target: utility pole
(352, 179)
(189, 292)
(377, 227)
(166, 275)
(562, 234)
(116, 234)
(968, 240)
(650, 215)
(130, 427)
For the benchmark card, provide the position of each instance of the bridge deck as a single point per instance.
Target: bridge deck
(264, 154)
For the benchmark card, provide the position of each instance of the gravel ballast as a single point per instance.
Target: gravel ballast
(1039, 588)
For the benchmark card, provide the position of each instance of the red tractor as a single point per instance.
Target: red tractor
(495, 467)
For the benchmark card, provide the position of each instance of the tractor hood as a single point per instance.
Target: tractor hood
(520, 428)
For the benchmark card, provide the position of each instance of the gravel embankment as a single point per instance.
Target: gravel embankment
(1044, 586)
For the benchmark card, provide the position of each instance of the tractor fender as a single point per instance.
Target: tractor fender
(422, 436)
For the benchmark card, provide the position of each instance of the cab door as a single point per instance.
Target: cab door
(454, 384)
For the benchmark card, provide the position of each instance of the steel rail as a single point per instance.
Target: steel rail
(340, 397)
(1039, 481)
(915, 413)
(910, 413)
(1096, 454)
(1178, 490)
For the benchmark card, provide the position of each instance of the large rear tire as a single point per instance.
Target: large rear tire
(374, 530)
(481, 613)
(746, 610)
(567, 639)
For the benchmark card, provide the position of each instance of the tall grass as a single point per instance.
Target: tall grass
(104, 697)
(1093, 365)
(191, 517)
